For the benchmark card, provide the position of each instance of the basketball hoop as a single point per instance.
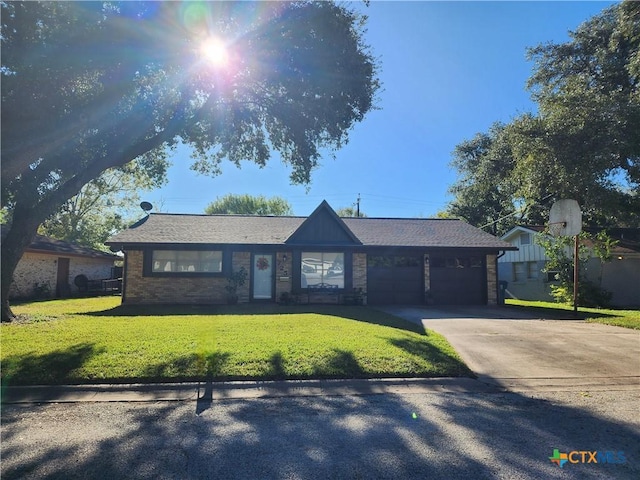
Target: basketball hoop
(556, 229)
(565, 220)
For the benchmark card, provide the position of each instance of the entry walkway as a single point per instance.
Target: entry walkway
(515, 350)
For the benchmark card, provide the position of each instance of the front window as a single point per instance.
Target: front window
(186, 261)
(519, 271)
(322, 269)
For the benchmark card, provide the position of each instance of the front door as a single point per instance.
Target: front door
(262, 276)
(63, 290)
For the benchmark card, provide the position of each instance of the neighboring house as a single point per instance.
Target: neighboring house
(522, 269)
(171, 258)
(48, 268)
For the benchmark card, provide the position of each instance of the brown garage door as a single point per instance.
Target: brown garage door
(458, 280)
(394, 279)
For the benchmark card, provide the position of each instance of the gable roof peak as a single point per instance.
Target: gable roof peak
(323, 226)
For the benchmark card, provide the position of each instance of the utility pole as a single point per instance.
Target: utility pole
(358, 207)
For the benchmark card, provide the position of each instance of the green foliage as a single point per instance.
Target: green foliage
(589, 294)
(484, 192)
(584, 143)
(105, 205)
(559, 251)
(236, 279)
(249, 205)
(349, 212)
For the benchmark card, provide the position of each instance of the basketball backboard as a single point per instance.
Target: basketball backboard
(565, 218)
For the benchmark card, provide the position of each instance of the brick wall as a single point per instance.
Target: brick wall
(141, 289)
(239, 260)
(34, 268)
(284, 268)
(92, 268)
(360, 271)
(42, 268)
(492, 280)
(426, 261)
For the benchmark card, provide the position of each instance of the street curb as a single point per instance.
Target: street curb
(192, 391)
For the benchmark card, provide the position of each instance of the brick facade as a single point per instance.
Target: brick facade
(492, 280)
(211, 290)
(42, 269)
(140, 289)
(360, 271)
(426, 261)
(239, 260)
(284, 270)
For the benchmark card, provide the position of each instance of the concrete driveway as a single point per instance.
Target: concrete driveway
(517, 351)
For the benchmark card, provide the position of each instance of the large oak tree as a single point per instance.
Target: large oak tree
(88, 86)
(583, 143)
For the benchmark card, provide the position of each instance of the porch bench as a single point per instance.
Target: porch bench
(327, 290)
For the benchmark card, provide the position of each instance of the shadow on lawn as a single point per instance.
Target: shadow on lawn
(442, 361)
(350, 312)
(336, 364)
(49, 369)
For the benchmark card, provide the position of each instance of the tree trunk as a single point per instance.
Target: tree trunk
(31, 210)
(21, 233)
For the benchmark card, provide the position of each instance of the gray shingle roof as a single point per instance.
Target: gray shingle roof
(59, 247)
(160, 228)
(408, 232)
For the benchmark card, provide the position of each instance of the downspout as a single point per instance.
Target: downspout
(124, 278)
(504, 252)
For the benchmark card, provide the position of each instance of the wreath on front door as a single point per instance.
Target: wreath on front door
(262, 263)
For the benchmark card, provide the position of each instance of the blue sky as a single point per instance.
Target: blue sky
(449, 70)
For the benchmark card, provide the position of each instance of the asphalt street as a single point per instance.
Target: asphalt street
(430, 435)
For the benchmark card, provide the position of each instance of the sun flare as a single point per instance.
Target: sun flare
(214, 51)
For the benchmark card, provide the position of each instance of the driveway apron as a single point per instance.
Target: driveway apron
(518, 352)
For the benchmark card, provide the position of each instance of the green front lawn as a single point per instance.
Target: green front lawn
(620, 318)
(96, 340)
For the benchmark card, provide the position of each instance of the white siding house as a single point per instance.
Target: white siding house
(522, 269)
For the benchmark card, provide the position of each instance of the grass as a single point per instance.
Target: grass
(96, 340)
(620, 318)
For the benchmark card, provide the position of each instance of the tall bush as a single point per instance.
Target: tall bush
(559, 251)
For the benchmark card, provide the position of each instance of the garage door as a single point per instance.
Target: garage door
(458, 280)
(394, 279)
